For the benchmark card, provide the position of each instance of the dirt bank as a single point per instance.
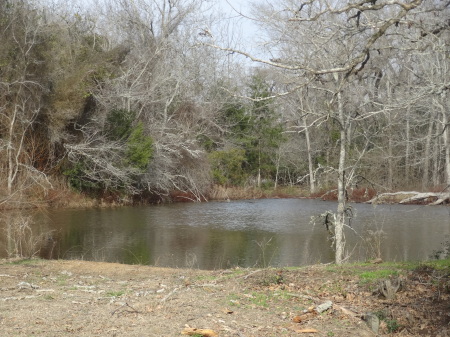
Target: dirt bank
(77, 298)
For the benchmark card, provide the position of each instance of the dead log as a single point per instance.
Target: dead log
(406, 197)
(440, 198)
(391, 197)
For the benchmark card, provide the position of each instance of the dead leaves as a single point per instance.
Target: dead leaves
(311, 313)
(201, 332)
(304, 317)
(306, 330)
(227, 311)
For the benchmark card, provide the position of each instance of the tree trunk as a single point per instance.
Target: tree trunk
(277, 165)
(390, 156)
(408, 146)
(390, 161)
(426, 157)
(446, 140)
(259, 163)
(312, 179)
(340, 219)
(436, 156)
(447, 151)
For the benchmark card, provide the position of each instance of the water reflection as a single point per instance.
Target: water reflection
(246, 233)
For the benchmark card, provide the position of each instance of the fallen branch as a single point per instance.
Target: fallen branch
(133, 310)
(212, 285)
(250, 274)
(440, 198)
(347, 311)
(307, 297)
(19, 298)
(308, 330)
(411, 196)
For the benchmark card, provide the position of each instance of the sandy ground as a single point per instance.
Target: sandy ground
(78, 298)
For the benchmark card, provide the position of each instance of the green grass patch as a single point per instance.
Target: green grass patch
(438, 264)
(206, 278)
(260, 299)
(115, 293)
(293, 268)
(375, 275)
(333, 269)
(25, 261)
(232, 273)
(234, 300)
(284, 295)
(391, 323)
(62, 282)
(254, 298)
(408, 265)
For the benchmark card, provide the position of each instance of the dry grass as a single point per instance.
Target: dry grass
(66, 298)
(240, 193)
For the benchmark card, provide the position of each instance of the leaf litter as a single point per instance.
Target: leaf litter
(106, 299)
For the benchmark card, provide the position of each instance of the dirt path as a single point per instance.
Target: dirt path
(77, 298)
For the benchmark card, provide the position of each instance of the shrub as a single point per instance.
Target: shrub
(227, 167)
(139, 148)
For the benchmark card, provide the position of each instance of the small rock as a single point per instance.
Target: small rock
(324, 306)
(144, 293)
(26, 285)
(373, 322)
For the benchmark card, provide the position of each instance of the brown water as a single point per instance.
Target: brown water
(213, 235)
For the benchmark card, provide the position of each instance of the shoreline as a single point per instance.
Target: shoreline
(74, 200)
(109, 299)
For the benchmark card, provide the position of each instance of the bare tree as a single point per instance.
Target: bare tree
(166, 84)
(23, 93)
(327, 46)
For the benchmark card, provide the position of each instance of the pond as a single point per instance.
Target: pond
(247, 233)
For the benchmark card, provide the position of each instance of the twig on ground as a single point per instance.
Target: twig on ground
(347, 311)
(307, 297)
(250, 274)
(234, 331)
(170, 294)
(133, 310)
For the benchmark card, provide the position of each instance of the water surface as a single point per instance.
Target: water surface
(215, 235)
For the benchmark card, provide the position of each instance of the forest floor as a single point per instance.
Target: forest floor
(79, 298)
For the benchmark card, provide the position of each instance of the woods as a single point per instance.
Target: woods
(148, 97)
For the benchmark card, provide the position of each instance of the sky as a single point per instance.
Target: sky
(247, 29)
(238, 7)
